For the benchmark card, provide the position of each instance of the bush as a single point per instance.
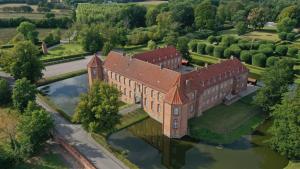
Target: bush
(272, 60)
(193, 46)
(201, 48)
(219, 51)
(259, 59)
(290, 36)
(211, 39)
(4, 92)
(281, 50)
(106, 48)
(209, 49)
(228, 40)
(235, 50)
(292, 52)
(266, 49)
(151, 45)
(241, 28)
(227, 53)
(282, 35)
(246, 56)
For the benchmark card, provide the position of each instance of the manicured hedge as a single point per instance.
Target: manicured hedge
(193, 46)
(259, 59)
(266, 49)
(219, 51)
(271, 61)
(227, 53)
(201, 48)
(292, 52)
(209, 49)
(65, 57)
(246, 56)
(6, 46)
(235, 50)
(281, 50)
(211, 39)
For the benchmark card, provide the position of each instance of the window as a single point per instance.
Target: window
(175, 124)
(129, 83)
(192, 108)
(158, 107)
(115, 76)
(145, 90)
(119, 78)
(176, 111)
(151, 105)
(152, 93)
(145, 102)
(124, 80)
(129, 94)
(94, 72)
(193, 96)
(158, 95)
(124, 91)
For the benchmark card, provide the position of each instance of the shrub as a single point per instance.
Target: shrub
(151, 44)
(290, 36)
(281, 50)
(227, 40)
(218, 39)
(211, 39)
(235, 50)
(107, 47)
(282, 35)
(227, 53)
(201, 48)
(271, 61)
(219, 51)
(209, 49)
(246, 56)
(193, 46)
(266, 49)
(292, 52)
(259, 59)
(4, 92)
(241, 27)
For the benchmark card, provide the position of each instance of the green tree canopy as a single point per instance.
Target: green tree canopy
(90, 39)
(28, 30)
(4, 91)
(182, 46)
(285, 130)
(98, 109)
(286, 25)
(25, 62)
(257, 18)
(205, 15)
(23, 92)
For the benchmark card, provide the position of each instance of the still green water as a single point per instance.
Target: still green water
(149, 149)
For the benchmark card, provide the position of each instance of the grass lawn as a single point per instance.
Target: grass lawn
(64, 50)
(6, 34)
(48, 160)
(293, 165)
(262, 35)
(225, 124)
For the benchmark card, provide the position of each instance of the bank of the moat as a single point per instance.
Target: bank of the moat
(149, 149)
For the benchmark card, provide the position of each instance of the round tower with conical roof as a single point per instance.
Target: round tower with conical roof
(95, 70)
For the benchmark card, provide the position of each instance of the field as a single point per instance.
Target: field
(225, 124)
(34, 15)
(293, 165)
(262, 35)
(6, 34)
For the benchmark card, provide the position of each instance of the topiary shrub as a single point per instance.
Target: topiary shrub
(235, 50)
(246, 56)
(282, 35)
(193, 46)
(290, 36)
(209, 49)
(292, 52)
(151, 44)
(227, 53)
(281, 50)
(259, 59)
(271, 61)
(201, 48)
(228, 40)
(218, 39)
(266, 49)
(211, 39)
(219, 51)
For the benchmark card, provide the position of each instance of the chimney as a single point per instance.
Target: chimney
(231, 57)
(206, 65)
(187, 83)
(124, 54)
(161, 66)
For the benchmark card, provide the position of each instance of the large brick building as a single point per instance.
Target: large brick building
(169, 96)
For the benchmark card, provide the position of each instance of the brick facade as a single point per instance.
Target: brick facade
(168, 96)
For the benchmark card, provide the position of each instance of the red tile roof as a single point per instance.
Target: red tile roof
(95, 61)
(158, 55)
(176, 95)
(160, 79)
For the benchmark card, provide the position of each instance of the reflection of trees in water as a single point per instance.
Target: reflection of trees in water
(173, 151)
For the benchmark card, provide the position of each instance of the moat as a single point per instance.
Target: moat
(146, 147)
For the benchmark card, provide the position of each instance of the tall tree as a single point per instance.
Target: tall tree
(151, 16)
(182, 46)
(90, 39)
(25, 62)
(276, 80)
(4, 91)
(257, 18)
(286, 25)
(134, 16)
(183, 13)
(23, 92)
(28, 30)
(98, 109)
(285, 130)
(205, 15)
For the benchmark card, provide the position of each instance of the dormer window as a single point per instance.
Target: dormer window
(176, 111)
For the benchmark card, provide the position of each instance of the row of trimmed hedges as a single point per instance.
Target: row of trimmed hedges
(45, 60)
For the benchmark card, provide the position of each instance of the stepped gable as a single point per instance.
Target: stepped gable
(214, 74)
(158, 55)
(95, 61)
(149, 74)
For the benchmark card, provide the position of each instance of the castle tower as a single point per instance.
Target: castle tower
(95, 69)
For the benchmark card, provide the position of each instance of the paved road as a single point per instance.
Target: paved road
(62, 68)
(83, 142)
